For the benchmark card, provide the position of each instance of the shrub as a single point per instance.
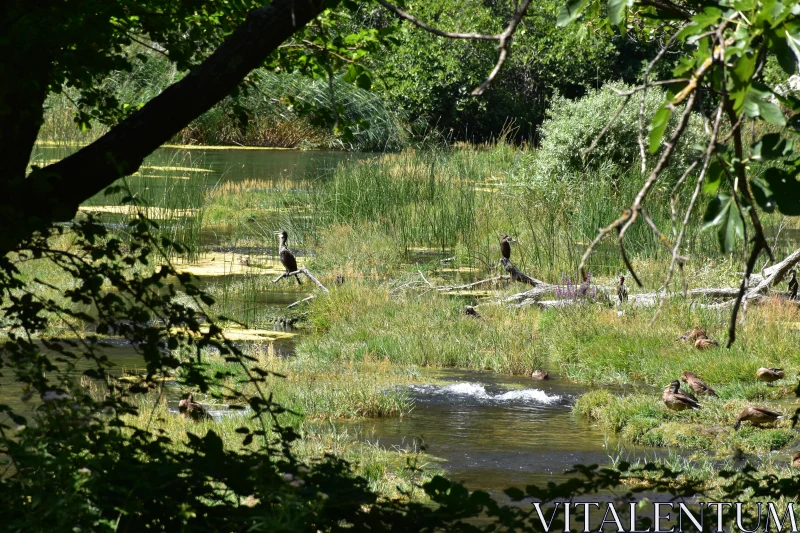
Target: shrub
(572, 125)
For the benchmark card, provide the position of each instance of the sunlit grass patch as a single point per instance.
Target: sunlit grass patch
(361, 323)
(643, 419)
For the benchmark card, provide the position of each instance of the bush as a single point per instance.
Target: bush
(572, 125)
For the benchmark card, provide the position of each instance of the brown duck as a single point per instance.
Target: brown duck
(693, 334)
(191, 409)
(541, 375)
(704, 343)
(697, 385)
(471, 311)
(757, 415)
(769, 375)
(677, 399)
(505, 247)
(622, 292)
(796, 459)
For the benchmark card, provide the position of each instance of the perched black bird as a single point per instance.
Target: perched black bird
(287, 257)
(793, 286)
(505, 247)
(622, 292)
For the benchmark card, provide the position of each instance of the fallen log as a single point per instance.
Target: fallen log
(472, 285)
(517, 275)
(774, 274)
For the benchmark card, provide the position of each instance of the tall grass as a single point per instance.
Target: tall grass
(462, 199)
(368, 323)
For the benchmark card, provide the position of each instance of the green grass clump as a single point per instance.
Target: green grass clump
(643, 419)
(316, 389)
(595, 345)
(361, 323)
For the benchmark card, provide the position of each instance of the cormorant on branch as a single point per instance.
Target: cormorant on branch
(505, 247)
(286, 256)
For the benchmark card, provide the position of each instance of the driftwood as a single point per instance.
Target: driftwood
(472, 285)
(308, 274)
(298, 302)
(774, 274)
(517, 275)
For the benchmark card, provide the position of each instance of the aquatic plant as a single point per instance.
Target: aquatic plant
(581, 292)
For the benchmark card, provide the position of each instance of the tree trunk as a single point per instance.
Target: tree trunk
(54, 193)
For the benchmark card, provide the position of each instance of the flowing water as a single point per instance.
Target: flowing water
(496, 431)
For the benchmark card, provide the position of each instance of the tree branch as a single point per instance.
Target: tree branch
(436, 31)
(503, 39)
(53, 193)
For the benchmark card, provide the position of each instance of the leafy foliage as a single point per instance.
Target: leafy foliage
(415, 75)
(572, 126)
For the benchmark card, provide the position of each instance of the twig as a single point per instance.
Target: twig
(676, 258)
(308, 274)
(450, 35)
(425, 280)
(629, 215)
(298, 302)
(472, 285)
(605, 129)
(503, 38)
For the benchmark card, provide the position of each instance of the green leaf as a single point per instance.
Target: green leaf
(714, 211)
(713, 178)
(763, 194)
(755, 106)
(570, 12)
(722, 212)
(771, 146)
(786, 190)
(657, 127)
(793, 38)
(616, 9)
(709, 16)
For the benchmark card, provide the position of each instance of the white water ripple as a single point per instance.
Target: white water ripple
(478, 391)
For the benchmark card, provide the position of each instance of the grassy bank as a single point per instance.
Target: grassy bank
(359, 323)
(393, 474)
(643, 419)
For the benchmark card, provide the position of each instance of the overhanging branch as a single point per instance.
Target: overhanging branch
(54, 193)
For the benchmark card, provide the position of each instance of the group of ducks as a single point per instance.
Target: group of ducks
(678, 399)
